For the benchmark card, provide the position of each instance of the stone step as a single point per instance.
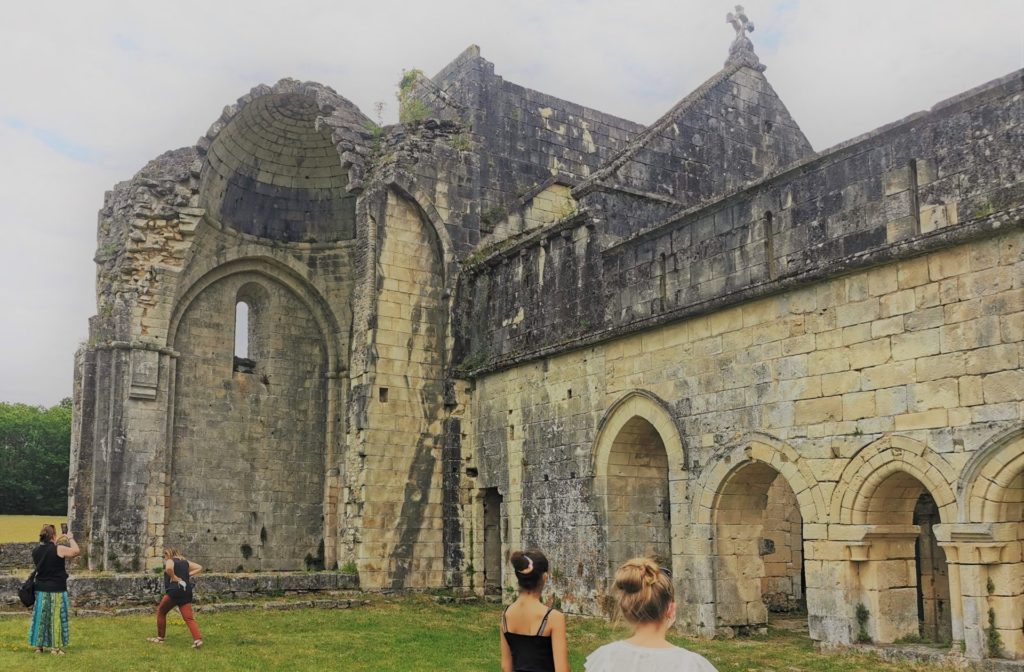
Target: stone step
(277, 605)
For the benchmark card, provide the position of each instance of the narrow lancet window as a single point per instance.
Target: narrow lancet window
(242, 361)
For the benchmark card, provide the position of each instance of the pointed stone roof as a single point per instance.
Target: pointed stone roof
(730, 130)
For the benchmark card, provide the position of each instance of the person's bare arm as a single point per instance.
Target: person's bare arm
(559, 644)
(71, 550)
(506, 653)
(194, 568)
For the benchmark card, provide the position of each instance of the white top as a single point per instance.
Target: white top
(622, 656)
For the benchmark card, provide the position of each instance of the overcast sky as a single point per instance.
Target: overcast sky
(92, 90)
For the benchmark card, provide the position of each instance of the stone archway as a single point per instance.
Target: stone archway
(904, 579)
(786, 483)
(989, 544)
(637, 497)
(639, 469)
(758, 547)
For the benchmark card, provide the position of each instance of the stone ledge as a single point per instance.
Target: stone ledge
(917, 653)
(91, 591)
(283, 605)
(16, 556)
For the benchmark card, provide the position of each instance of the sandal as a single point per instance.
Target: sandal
(198, 644)
(57, 652)
(155, 640)
(40, 649)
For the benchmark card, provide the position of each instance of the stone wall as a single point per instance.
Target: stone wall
(99, 592)
(824, 385)
(526, 136)
(255, 429)
(782, 583)
(393, 463)
(16, 557)
(922, 184)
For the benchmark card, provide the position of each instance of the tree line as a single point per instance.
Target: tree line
(35, 450)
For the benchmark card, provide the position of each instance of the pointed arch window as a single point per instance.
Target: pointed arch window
(250, 307)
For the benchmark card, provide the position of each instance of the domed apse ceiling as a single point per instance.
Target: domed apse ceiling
(271, 173)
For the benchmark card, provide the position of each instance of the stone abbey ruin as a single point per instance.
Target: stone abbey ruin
(513, 321)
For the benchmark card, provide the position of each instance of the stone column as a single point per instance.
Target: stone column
(827, 570)
(986, 561)
(116, 486)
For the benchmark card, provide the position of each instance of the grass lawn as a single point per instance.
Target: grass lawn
(410, 633)
(26, 528)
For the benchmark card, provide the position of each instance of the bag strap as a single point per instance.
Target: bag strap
(36, 570)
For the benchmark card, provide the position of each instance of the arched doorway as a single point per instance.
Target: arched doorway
(904, 583)
(758, 548)
(637, 496)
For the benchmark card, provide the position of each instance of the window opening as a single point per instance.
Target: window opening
(243, 335)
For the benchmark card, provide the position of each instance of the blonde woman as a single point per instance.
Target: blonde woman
(178, 572)
(532, 634)
(647, 602)
(50, 612)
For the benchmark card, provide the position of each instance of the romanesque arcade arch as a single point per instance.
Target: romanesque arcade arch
(894, 495)
(989, 542)
(754, 504)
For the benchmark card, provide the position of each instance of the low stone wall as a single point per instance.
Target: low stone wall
(106, 591)
(16, 556)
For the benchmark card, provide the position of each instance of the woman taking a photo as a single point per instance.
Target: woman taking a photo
(532, 634)
(647, 602)
(177, 593)
(49, 627)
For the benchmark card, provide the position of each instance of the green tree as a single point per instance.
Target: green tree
(35, 447)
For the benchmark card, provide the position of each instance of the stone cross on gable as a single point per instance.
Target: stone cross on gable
(740, 22)
(741, 51)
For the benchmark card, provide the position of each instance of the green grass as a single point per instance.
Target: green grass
(26, 528)
(401, 634)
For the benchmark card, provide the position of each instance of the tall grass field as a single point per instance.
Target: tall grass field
(18, 529)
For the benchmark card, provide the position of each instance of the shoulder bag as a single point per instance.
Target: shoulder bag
(27, 592)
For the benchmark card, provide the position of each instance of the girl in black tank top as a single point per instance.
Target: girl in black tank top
(178, 585)
(526, 645)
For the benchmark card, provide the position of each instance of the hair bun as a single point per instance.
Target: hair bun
(635, 575)
(530, 567)
(645, 593)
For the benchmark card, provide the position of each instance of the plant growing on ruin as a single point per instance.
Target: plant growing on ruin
(349, 568)
(461, 142)
(493, 215)
(863, 615)
(993, 640)
(474, 360)
(410, 108)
